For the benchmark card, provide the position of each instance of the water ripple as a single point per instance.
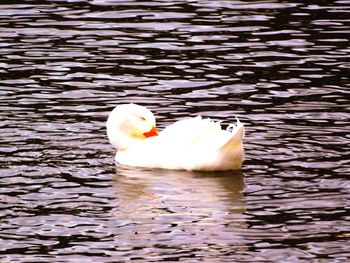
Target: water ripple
(282, 68)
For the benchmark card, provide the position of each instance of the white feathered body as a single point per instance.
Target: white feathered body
(190, 144)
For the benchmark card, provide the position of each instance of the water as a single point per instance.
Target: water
(281, 67)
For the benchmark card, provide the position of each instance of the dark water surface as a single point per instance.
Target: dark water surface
(281, 66)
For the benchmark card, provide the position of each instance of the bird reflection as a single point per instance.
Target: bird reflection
(157, 192)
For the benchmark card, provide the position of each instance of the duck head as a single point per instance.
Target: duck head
(129, 123)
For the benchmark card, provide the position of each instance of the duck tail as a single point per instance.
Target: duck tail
(237, 131)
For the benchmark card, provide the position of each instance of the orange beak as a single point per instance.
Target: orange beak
(152, 132)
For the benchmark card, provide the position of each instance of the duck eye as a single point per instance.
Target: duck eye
(142, 118)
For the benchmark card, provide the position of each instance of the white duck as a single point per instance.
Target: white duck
(189, 144)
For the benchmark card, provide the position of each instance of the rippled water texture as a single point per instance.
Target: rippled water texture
(282, 67)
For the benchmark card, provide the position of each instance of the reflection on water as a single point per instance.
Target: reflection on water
(182, 209)
(281, 67)
(195, 192)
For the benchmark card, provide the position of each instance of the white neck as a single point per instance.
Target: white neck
(120, 140)
(118, 132)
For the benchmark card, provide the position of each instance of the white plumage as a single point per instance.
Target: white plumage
(189, 144)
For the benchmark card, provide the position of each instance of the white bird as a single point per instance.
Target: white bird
(190, 144)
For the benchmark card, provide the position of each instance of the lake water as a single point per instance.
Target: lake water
(282, 67)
